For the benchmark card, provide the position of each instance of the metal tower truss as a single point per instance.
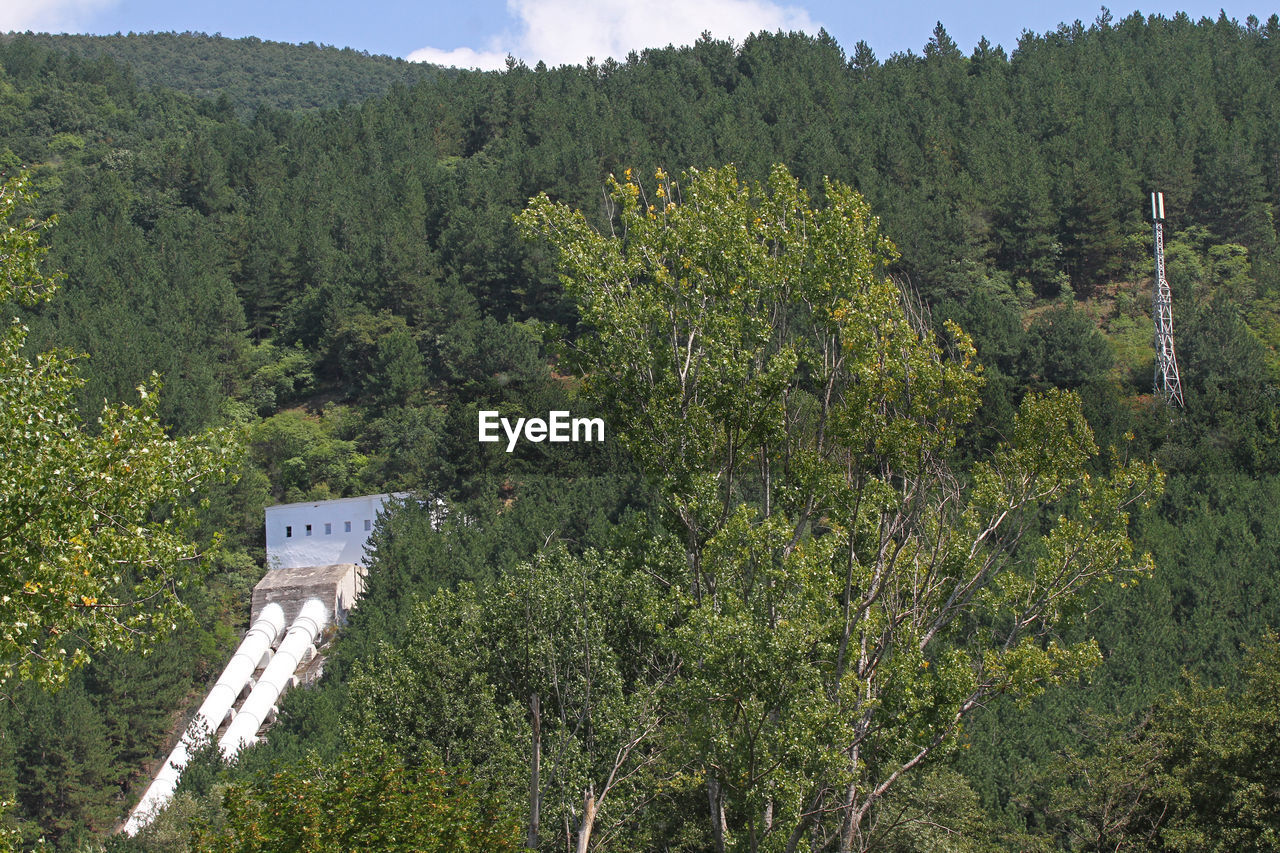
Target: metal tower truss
(1168, 385)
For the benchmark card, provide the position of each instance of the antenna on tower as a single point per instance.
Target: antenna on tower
(1168, 386)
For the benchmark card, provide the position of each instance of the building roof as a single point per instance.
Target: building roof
(338, 585)
(357, 499)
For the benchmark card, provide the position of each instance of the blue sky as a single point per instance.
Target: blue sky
(481, 33)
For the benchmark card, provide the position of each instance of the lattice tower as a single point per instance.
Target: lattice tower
(1168, 385)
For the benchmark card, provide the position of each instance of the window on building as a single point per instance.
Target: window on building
(288, 532)
(328, 528)
(308, 529)
(368, 525)
(346, 527)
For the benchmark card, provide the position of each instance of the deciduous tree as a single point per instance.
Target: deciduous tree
(94, 518)
(848, 595)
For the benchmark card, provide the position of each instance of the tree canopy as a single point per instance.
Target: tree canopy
(345, 283)
(95, 545)
(848, 595)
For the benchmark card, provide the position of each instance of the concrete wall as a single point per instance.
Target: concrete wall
(338, 586)
(321, 533)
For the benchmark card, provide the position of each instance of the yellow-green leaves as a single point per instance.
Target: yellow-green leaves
(94, 522)
(748, 342)
(847, 595)
(20, 250)
(371, 798)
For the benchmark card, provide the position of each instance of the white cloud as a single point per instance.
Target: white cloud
(561, 32)
(460, 57)
(52, 16)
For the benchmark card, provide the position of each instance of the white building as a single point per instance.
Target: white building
(315, 574)
(321, 533)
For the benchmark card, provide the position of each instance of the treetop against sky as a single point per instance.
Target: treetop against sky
(482, 33)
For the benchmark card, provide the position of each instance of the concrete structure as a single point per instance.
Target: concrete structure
(321, 533)
(337, 586)
(276, 679)
(315, 573)
(253, 653)
(316, 549)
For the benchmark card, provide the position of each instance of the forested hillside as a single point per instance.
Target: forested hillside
(347, 287)
(250, 73)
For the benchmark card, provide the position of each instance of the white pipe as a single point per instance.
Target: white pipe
(276, 679)
(255, 645)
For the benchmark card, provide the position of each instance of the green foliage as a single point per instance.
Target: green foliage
(283, 76)
(284, 377)
(304, 457)
(845, 600)
(936, 811)
(96, 541)
(370, 799)
(418, 553)
(1198, 772)
(1065, 350)
(1230, 389)
(62, 762)
(366, 254)
(574, 635)
(398, 370)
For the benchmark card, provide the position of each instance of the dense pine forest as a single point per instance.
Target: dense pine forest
(250, 73)
(339, 259)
